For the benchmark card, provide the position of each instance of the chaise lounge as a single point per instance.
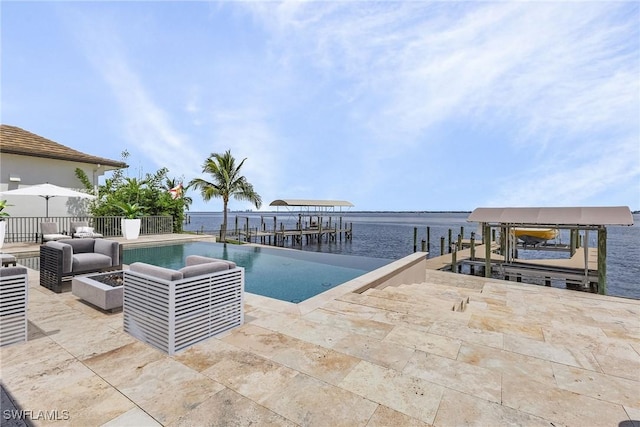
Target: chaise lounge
(174, 309)
(63, 259)
(49, 232)
(81, 229)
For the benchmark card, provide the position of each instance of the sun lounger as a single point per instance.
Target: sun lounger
(49, 232)
(81, 229)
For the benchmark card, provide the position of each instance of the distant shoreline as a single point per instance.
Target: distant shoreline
(338, 211)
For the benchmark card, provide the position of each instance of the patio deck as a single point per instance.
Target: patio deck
(512, 354)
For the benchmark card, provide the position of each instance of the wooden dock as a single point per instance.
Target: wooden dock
(306, 230)
(570, 270)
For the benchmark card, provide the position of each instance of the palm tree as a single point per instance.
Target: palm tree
(227, 182)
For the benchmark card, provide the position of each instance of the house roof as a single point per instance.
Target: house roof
(599, 215)
(14, 140)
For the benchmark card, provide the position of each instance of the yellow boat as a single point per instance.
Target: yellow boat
(534, 236)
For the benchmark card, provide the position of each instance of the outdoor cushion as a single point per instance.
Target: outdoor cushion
(80, 245)
(205, 268)
(50, 231)
(12, 271)
(67, 254)
(199, 259)
(90, 261)
(108, 248)
(155, 271)
(82, 229)
(72, 249)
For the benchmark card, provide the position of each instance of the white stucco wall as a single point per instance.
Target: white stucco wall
(36, 170)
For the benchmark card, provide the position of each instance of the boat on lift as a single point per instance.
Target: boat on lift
(535, 236)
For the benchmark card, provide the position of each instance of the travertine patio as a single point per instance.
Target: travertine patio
(516, 355)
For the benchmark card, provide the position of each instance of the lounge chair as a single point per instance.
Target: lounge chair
(81, 229)
(174, 309)
(67, 258)
(49, 232)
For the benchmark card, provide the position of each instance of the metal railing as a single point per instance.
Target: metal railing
(27, 229)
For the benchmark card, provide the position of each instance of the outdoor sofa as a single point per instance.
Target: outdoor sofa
(174, 309)
(70, 257)
(13, 305)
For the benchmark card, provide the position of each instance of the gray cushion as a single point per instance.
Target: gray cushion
(76, 224)
(202, 269)
(50, 237)
(12, 271)
(90, 261)
(111, 248)
(67, 253)
(80, 245)
(155, 271)
(49, 228)
(199, 259)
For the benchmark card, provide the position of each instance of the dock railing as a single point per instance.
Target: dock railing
(27, 229)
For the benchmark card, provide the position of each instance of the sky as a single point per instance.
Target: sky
(392, 105)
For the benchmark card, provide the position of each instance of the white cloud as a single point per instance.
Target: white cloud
(560, 77)
(146, 125)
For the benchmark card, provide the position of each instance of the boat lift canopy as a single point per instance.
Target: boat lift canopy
(568, 216)
(585, 218)
(327, 205)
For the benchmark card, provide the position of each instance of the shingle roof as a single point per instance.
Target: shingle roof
(14, 140)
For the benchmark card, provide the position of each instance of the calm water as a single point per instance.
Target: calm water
(294, 276)
(390, 236)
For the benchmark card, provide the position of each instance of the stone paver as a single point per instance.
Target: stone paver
(518, 355)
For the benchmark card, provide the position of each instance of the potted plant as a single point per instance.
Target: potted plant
(131, 221)
(3, 223)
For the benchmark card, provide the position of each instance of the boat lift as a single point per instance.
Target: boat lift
(575, 219)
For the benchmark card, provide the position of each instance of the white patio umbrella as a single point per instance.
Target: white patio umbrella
(46, 191)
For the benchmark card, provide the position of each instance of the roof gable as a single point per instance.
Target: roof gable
(14, 140)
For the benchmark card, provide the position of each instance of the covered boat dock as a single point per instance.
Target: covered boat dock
(575, 219)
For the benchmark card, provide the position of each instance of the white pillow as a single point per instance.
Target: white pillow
(84, 230)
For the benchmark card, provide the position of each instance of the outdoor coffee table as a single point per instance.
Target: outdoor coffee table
(91, 289)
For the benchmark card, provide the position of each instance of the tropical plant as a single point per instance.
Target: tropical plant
(130, 210)
(226, 182)
(147, 192)
(3, 205)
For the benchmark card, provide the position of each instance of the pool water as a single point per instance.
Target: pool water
(287, 275)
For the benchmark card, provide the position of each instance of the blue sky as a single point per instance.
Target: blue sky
(390, 105)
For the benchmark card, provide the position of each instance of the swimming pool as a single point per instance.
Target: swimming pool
(287, 275)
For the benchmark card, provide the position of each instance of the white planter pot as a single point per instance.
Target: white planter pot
(130, 228)
(3, 229)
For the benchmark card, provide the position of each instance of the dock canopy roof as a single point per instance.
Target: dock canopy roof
(602, 215)
(310, 203)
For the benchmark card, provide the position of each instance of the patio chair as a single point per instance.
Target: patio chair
(81, 229)
(13, 305)
(49, 232)
(174, 309)
(64, 259)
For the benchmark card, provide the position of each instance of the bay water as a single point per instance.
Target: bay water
(390, 235)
